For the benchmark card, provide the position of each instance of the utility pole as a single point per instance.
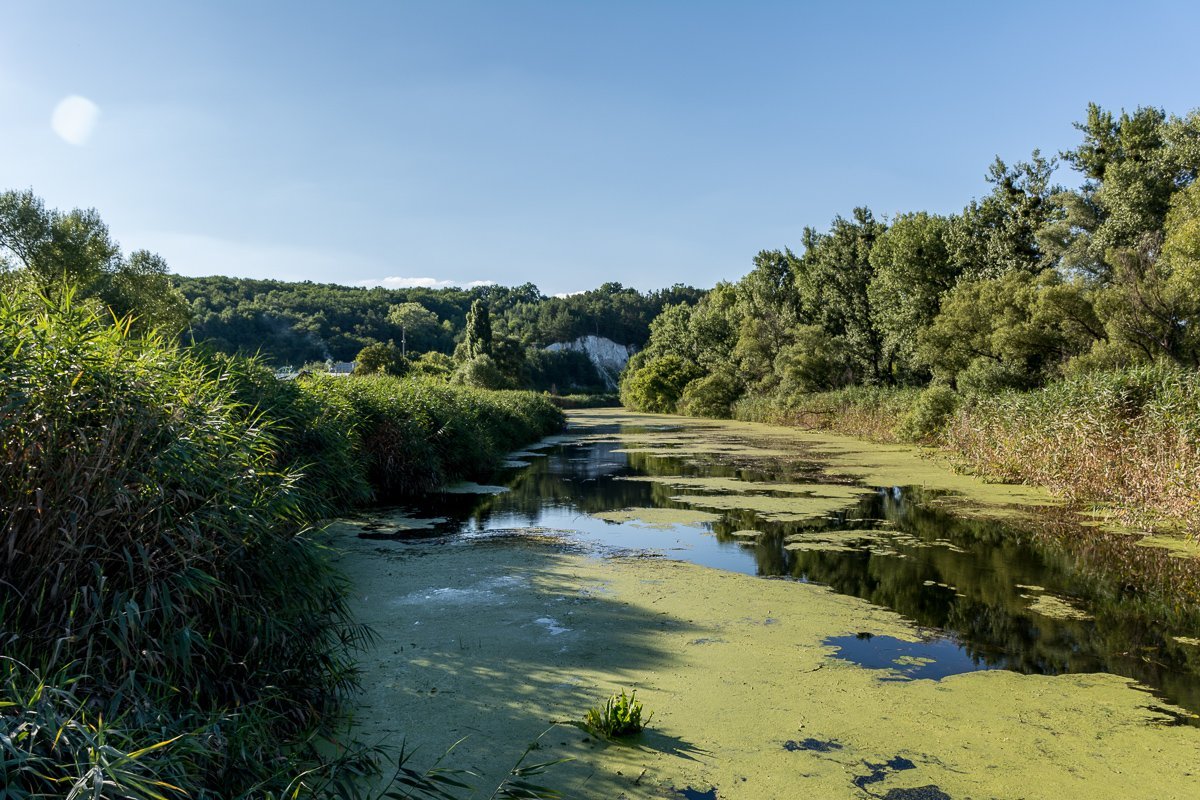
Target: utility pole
(404, 341)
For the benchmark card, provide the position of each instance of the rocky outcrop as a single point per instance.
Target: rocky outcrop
(607, 356)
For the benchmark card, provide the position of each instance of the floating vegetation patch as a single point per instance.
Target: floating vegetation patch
(1055, 607)
(661, 518)
(779, 509)
(469, 487)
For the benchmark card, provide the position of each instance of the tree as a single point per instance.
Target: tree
(420, 327)
(1014, 331)
(833, 277)
(657, 385)
(477, 338)
(380, 358)
(913, 270)
(51, 251)
(1000, 233)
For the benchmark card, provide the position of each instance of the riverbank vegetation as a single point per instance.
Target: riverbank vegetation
(171, 623)
(1043, 334)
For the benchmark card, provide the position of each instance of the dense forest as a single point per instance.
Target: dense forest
(1031, 283)
(1040, 324)
(298, 323)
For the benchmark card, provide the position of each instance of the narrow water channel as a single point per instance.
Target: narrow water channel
(1034, 592)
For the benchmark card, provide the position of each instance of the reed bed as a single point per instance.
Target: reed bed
(1128, 439)
(869, 412)
(170, 622)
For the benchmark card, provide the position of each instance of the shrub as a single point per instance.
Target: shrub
(657, 385)
(929, 414)
(712, 395)
(621, 715)
(413, 435)
(480, 372)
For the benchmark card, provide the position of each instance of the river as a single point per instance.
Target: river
(807, 615)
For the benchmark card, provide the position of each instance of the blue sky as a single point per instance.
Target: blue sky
(563, 143)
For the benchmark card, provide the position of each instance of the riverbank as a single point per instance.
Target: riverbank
(1123, 442)
(497, 633)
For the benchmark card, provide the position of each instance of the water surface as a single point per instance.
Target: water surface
(1035, 593)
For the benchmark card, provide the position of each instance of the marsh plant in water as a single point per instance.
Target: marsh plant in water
(621, 715)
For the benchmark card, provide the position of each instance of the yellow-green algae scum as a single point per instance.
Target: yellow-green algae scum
(494, 640)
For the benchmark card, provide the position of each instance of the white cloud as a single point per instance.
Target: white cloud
(74, 119)
(396, 282)
(562, 295)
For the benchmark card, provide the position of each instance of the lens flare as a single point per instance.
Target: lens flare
(74, 119)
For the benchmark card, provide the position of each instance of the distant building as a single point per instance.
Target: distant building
(342, 367)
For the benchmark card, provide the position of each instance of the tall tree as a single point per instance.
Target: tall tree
(477, 338)
(913, 270)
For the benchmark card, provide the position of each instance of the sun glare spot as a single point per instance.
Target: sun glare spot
(74, 119)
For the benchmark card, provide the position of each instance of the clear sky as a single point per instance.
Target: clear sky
(563, 143)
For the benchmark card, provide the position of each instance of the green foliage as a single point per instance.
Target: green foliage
(929, 414)
(913, 270)
(621, 715)
(381, 358)
(999, 234)
(480, 372)
(432, 365)
(657, 385)
(160, 568)
(561, 371)
(1015, 331)
(833, 279)
(171, 620)
(477, 337)
(413, 435)
(420, 329)
(712, 395)
(54, 252)
(814, 362)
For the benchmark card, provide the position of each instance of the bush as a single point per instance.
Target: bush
(1130, 437)
(480, 372)
(657, 385)
(711, 396)
(930, 413)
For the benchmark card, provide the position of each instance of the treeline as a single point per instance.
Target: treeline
(171, 622)
(1032, 285)
(299, 323)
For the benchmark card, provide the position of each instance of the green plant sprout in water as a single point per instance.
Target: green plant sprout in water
(621, 716)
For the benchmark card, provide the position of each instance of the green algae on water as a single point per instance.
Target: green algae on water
(662, 518)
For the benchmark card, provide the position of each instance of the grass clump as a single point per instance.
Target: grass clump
(621, 715)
